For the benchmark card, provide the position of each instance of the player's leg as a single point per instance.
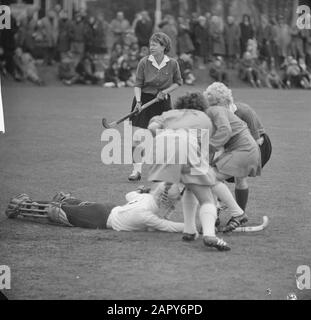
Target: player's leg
(189, 207)
(208, 216)
(241, 192)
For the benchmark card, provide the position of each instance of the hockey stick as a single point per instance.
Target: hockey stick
(254, 228)
(115, 123)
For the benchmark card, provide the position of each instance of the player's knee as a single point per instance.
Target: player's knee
(241, 183)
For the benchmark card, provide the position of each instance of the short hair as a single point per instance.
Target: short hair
(220, 93)
(193, 100)
(163, 39)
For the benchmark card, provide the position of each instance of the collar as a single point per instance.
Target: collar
(162, 64)
(233, 107)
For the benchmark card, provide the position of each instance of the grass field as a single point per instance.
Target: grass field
(53, 143)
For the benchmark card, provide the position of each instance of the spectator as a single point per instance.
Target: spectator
(105, 32)
(77, 36)
(246, 32)
(217, 36)
(117, 52)
(50, 28)
(270, 77)
(112, 76)
(94, 35)
(185, 44)
(232, 41)
(296, 44)
(134, 56)
(264, 38)
(63, 44)
(25, 67)
(129, 38)
(41, 39)
(26, 30)
(292, 76)
(186, 66)
(119, 26)
(143, 29)
(201, 44)
(8, 45)
(85, 72)
(248, 71)
(125, 74)
(67, 67)
(283, 40)
(218, 71)
(307, 36)
(305, 74)
(169, 27)
(144, 51)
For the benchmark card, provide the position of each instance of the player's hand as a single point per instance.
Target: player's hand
(260, 141)
(162, 96)
(138, 106)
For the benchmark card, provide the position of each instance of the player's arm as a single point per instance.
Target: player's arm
(131, 196)
(154, 222)
(223, 130)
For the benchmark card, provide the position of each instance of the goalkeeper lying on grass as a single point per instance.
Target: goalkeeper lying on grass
(145, 210)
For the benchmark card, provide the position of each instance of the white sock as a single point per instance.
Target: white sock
(223, 193)
(189, 207)
(137, 167)
(208, 216)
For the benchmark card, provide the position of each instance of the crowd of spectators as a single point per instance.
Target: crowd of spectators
(90, 50)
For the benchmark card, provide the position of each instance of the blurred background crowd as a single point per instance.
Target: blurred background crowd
(266, 50)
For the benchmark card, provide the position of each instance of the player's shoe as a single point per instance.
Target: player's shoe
(135, 176)
(190, 236)
(235, 222)
(15, 203)
(215, 242)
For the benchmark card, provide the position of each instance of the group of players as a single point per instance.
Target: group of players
(239, 148)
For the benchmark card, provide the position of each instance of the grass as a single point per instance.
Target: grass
(53, 143)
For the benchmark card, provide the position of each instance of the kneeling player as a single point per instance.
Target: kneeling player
(144, 210)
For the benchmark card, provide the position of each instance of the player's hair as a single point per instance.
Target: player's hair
(218, 94)
(163, 39)
(193, 100)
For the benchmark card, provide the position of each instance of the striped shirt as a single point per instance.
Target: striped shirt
(152, 78)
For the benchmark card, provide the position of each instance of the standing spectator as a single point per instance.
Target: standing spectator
(26, 30)
(296, 46)
(119, 26)
(247, 32)
(50, 24)
(168, 26)
(232, 41)
(8, 45)
(307, 37)
(94, 36)
(283, 40)
(264, 39)
(185, 44)
(77, 36)
(105, 32)
(63, 44)
(201, 44)
(217, 36)
(143, 29)
(42, 43)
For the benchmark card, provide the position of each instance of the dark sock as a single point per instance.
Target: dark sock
(241, 197)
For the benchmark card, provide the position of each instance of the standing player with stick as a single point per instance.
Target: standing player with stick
(155, 73)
